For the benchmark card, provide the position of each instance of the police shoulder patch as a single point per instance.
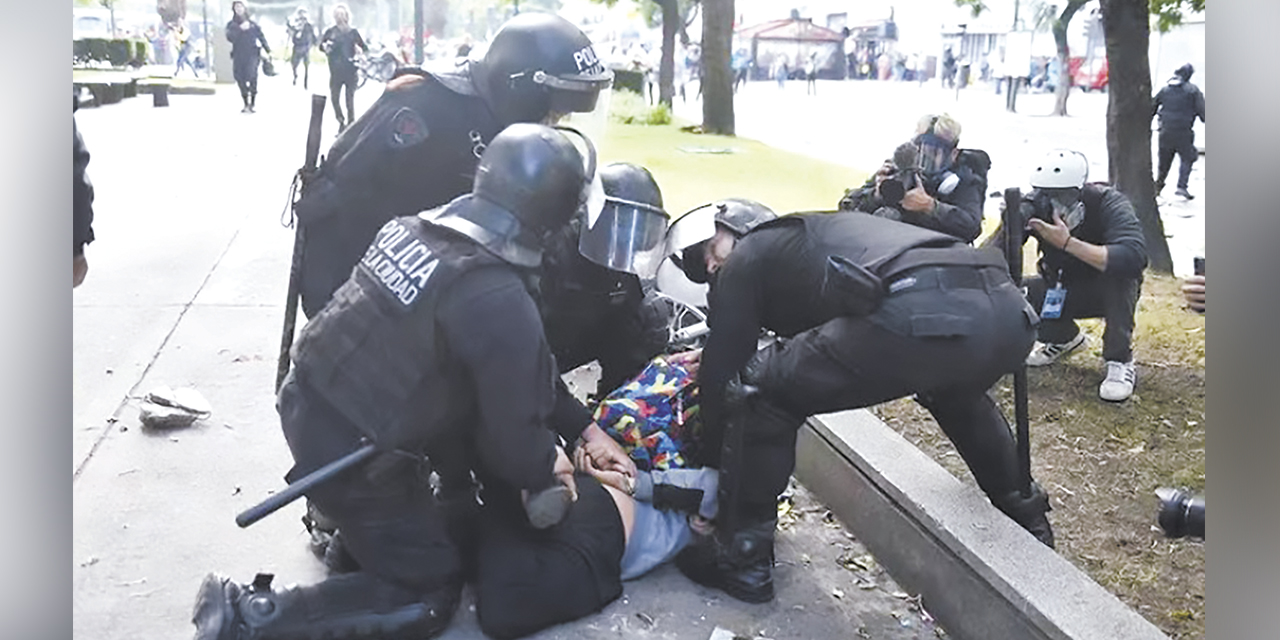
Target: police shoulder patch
(407, 128)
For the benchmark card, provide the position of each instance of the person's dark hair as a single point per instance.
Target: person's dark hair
(1185, 71)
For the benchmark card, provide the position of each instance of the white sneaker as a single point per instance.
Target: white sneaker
(1047, 353)
(1121, 376)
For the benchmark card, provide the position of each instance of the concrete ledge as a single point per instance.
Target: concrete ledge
(978, 572)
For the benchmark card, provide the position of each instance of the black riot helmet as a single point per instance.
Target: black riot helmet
(528, 185)
(628, 233)
(540, 64)
(688, 235)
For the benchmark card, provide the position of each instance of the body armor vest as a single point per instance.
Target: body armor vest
(373, 352)
(416, 148)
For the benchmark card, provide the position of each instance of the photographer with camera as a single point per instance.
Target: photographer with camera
(929, 182)
(1091, 259)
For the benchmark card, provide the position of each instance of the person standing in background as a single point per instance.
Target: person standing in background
(245, 35)
(1178, 104)
(339, 42)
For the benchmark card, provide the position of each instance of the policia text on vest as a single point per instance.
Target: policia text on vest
(400, 262)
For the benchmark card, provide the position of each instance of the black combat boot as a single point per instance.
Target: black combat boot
(741, 564)
(1029, 512)
(351, 606)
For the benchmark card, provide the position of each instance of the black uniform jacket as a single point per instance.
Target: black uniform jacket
(416, 148)
(1178, 104)
(434, 339)
(773, 280)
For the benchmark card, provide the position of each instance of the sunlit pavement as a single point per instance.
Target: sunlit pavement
(186, 287)
(859, 123)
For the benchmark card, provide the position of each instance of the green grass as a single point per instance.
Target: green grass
(784, 181)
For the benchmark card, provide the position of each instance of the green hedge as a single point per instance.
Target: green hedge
(629, 107)
(119, 52)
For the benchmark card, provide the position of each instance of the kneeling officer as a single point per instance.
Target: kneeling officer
(869, 310)
(435, 340)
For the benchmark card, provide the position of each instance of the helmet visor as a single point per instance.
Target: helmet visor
(626, 236)
(934, 153)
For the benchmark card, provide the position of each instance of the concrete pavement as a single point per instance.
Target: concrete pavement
(185, 288)
(859, 123)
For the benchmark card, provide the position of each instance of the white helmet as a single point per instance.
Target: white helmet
(1061, 169)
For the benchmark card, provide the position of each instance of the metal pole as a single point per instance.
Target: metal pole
(204, 20)
(418, 24)
(1012, 224)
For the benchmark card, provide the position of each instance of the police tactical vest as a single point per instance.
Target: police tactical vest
(372, 351)
(416, 148)
(879, 245)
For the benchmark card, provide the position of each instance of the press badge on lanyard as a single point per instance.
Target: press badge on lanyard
(1053, 300)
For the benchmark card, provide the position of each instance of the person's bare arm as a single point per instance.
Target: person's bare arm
(1058, 235)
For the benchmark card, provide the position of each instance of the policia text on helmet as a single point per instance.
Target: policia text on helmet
(539, 68)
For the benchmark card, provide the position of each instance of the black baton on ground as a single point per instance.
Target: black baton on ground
(1012, 224)
(295, 265)
(304, 484)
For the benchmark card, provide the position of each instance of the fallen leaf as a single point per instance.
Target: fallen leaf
(645, 618)
(837, 593)
(90, 562)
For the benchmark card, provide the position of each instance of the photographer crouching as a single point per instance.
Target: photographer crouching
(929, 182)
(1091, 259)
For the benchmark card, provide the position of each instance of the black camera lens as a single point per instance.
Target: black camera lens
(1181, 513)
(892, 190)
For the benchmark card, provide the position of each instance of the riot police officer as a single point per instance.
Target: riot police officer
(433, 346)
(417, 146)
(868, 310)
(930, 182)
(595, 304)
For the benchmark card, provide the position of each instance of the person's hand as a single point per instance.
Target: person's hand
(606, 453)
(1056, 234)
(80, 268)
(690, 360)
(918, 200)
(244, 26)
(611, 477)
(1193, 292)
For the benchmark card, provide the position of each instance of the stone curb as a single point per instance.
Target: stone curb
(978, 572)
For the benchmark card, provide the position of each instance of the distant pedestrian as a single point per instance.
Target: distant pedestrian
(245, 35)
(780, 71)
(741, 63)
(1178, 104)
(340, 42)
(811, 74)
(182, 44)
(948, 68)
(302, 36)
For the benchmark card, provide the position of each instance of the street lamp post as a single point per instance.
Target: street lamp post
(959, 60)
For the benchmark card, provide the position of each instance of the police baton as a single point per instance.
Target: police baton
(295, 266)
(303, 485)
(1013, 239)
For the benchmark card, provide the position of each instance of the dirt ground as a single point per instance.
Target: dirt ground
(1101, 462)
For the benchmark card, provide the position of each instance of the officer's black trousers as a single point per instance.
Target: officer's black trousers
(391, 525)
(946, 345)
(301, 56)
(528, 579)
(1113, 299)
(1182, 144)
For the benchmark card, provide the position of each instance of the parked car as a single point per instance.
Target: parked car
(1089, 74)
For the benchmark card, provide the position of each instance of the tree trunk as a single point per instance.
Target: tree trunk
(171, 10)
(1125, 23)
(1063, 89)
(717, 79)
(667, 66)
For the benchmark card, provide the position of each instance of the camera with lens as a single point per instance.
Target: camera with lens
(1038, 205)
(1181, 513)
(896, 185)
